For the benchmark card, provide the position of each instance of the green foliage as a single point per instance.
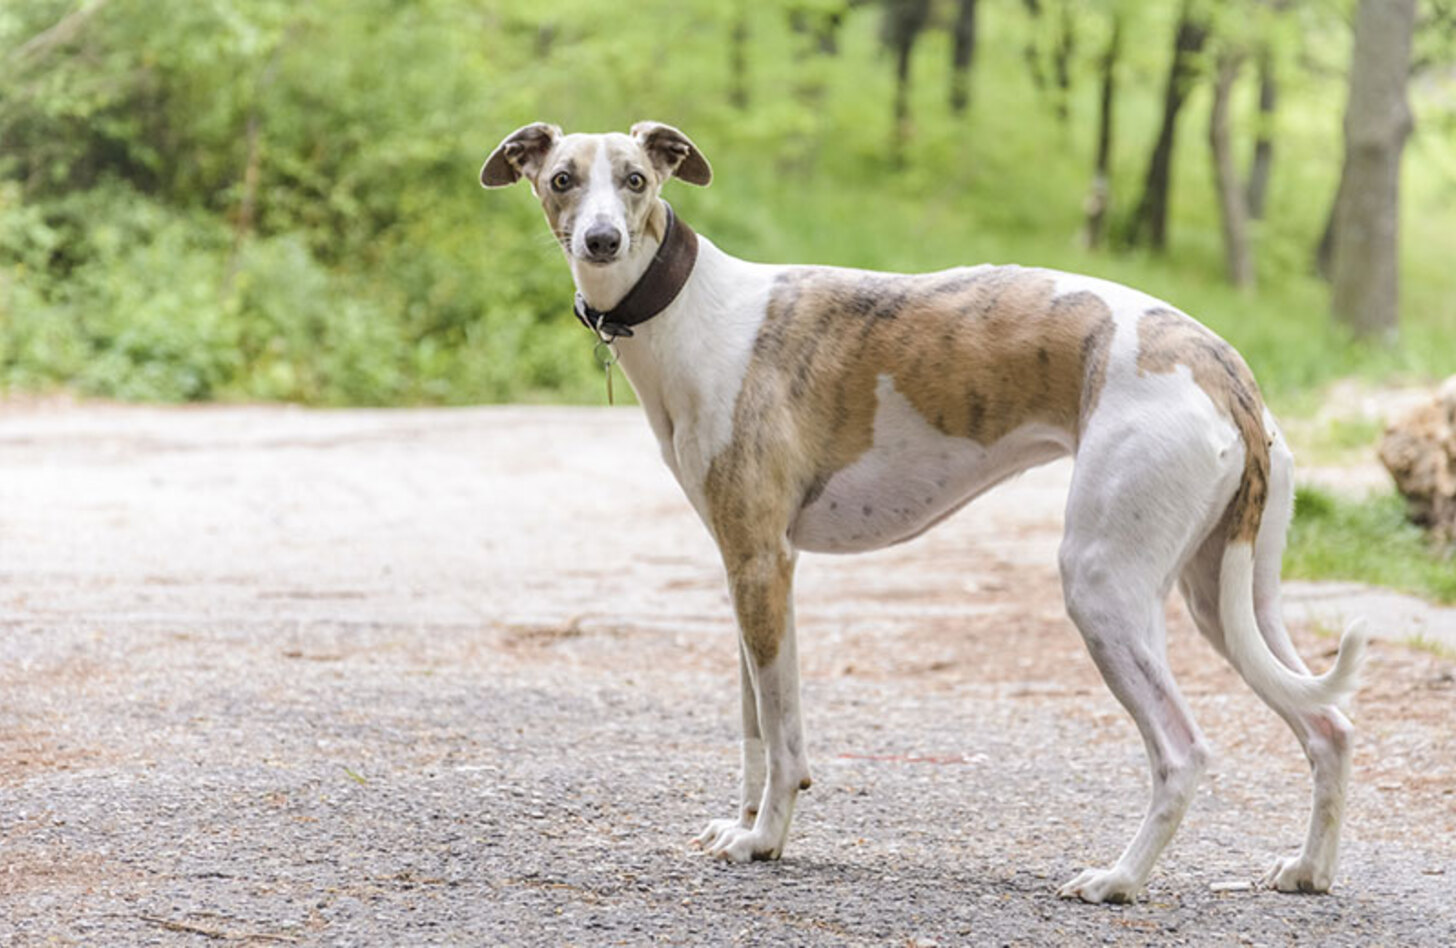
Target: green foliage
(1368, 541)
(365, 273)
(259, 199)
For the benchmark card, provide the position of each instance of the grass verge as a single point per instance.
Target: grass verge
(1368, 541)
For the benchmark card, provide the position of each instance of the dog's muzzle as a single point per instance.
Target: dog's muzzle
(602, 243)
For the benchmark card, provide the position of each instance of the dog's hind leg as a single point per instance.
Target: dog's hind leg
(761, 584)
(1124, 632)
(753, 764)
(1138, 505)
(1324, 732)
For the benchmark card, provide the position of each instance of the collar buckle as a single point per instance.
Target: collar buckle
(597, 322)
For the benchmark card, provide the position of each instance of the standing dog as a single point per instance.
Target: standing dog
(832, 410)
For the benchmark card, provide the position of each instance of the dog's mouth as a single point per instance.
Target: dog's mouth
(600, 258)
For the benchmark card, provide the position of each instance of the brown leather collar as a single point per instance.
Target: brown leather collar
(654, 291)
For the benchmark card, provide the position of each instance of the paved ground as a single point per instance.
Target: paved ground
(467, 677)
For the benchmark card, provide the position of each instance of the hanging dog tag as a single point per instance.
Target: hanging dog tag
(606, 355)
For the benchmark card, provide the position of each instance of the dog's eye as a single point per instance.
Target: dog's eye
(636, 181)
(561, 181)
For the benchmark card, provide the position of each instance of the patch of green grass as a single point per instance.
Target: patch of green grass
(1436, 647)
(1368, 541)
(1338, 440)
(1347, 434)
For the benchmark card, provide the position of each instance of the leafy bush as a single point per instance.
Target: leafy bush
(246, 199)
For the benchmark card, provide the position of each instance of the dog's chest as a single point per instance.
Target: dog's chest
(912, 477)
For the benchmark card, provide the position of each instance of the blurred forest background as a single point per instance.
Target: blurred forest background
(263, 199)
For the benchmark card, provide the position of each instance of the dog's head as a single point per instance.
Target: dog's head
(599, 191)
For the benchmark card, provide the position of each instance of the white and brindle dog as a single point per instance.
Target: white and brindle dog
(833, 410)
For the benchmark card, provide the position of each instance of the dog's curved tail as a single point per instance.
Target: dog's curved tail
(1275, 682)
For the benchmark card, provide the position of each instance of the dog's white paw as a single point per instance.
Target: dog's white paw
(734, 842)
(716, 830)
(1101, 885)
(1296, 874)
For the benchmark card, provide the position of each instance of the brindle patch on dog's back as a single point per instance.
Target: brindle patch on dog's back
(978, 353)
(1167, 339)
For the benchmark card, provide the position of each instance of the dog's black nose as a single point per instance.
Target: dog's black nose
(602, 240)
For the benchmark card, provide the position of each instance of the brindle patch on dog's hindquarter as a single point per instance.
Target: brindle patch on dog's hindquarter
(1167, 339)
(977, 353)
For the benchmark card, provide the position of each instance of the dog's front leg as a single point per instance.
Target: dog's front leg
(753, 765)
(762, 596)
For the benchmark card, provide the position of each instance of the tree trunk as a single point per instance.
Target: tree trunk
(252, 164)
(963, 53)
(1324, 252)
(1239, 261)
(1150, 220)
(821, 26)
(1028, 52)
(1066, 45)
(1364, 267)
(1101, 197)
(904, 19)
(1263, 158)
(738, 59)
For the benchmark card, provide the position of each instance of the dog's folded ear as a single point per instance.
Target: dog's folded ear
(673, 153)
(520, 154)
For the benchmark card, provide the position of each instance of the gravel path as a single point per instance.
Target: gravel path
(270, 676)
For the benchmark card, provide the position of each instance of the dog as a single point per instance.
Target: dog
(810, 408)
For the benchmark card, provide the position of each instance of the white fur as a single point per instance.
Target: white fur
(913, 477)
(1280, 686)
(601, 205)
(688, 364)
